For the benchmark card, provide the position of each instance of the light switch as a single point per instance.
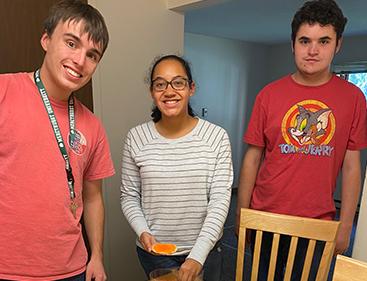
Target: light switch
(204, 112)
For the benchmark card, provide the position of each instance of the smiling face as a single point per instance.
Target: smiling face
(70, 61)
(314, 49)
(172, 103)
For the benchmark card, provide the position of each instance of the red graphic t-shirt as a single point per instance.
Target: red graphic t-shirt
(305, 132)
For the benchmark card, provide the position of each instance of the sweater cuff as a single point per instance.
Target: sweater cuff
(200, 251)
(141, 227)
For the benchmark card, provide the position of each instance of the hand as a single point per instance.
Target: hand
(342, 240)
(147, 240)
(189, 270)
(95, 271)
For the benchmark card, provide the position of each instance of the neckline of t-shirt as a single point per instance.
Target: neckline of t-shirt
(311, 87)
(54, 103)
(188, 135)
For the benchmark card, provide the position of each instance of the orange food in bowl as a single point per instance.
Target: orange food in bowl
(164, 248)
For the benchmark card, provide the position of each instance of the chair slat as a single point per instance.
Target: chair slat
(273, 257)
(325, 261)
(256, 256)
(290, 260)
(241, 248)
(308, 260)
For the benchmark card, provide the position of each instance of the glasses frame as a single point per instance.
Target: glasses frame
(170, 83)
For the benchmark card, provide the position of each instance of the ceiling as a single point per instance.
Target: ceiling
(264, 21)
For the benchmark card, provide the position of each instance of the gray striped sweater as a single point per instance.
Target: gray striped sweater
(178, 189)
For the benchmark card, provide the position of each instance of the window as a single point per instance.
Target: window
(355, 73)
(359, 79)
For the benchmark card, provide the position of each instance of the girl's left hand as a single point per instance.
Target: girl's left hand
(189, 270)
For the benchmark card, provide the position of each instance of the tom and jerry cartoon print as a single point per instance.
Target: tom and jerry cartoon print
(308, 128)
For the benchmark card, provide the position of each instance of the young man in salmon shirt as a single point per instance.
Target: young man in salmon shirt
(305, 128)
(54, 154)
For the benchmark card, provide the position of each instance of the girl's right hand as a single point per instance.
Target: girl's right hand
(147, 240)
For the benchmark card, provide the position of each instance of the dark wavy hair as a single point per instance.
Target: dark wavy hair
(323, 12)
(76, 11)
(156, 113)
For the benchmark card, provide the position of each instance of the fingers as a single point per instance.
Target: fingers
(147, 241)
(189, 270)
(186, 276)
(88, 274)
(339, 252)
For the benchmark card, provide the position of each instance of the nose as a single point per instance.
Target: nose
(79, 57)
(313, 49)
(169, 92)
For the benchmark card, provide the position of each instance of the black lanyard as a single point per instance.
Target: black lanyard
(57, 132)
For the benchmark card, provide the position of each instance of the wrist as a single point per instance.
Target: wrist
(345, 227)
(96, 255)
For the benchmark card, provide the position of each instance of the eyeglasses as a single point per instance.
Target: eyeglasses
(178, 83)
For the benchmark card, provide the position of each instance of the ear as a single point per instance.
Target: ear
(44, 41)
(192, 88)
(301, 109)
(339, 44)
(292, 46)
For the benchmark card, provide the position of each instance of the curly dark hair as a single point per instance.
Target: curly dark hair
(156, 113)
(323, 12)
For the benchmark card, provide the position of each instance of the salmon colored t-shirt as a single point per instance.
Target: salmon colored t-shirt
(305, 132)
(39, 237)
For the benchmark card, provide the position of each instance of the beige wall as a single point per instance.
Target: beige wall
(139, 31)
(360, 242)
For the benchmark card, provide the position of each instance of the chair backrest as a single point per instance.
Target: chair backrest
(295, 227)
(348, 269)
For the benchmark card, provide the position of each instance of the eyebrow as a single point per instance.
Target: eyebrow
(321, 38)
(325, 38)
(76, 38)
(177, 76)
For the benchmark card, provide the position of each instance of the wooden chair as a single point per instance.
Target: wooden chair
(348, 269)
(296, 227)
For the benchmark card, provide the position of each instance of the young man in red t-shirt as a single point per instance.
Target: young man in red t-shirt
(54, 154)
(304, 129)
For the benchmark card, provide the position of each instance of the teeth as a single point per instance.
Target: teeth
(72, 72)
(171, 101)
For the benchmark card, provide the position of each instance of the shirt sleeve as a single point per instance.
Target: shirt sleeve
(218, 205)
(130, 197)
(100, 164)
(255, 131)
(358, 133)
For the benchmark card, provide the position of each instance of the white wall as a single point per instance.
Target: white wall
(229, 74)
(139, 30)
